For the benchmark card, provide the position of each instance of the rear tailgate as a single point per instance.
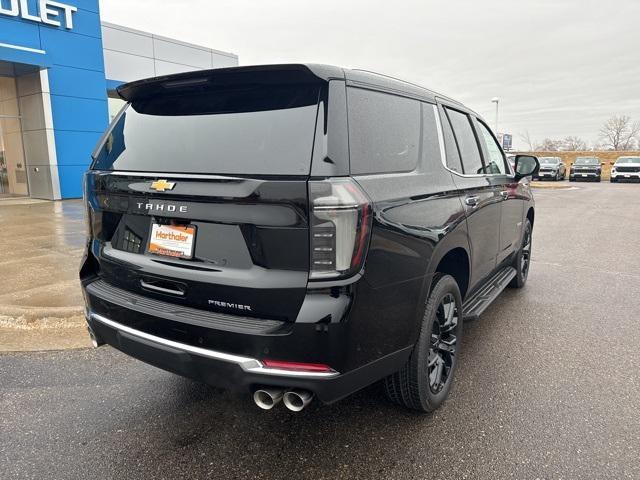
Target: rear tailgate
(237, 261)
(198, 192)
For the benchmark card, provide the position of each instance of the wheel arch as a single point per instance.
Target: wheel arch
(456, 263)
(451, 257)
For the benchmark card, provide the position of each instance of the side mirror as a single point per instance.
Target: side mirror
(526, 166)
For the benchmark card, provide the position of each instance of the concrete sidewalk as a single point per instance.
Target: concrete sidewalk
(41, 245)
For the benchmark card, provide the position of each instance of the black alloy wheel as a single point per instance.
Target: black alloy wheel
(424, 382)
(526, 254)
(443, 344)
(522, 260)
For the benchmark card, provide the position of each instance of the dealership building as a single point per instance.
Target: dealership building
(59, 68)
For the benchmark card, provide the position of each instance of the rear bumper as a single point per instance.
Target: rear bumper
(247, 364)
(232, 359)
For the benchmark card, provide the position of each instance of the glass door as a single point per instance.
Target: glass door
(4, 176)
(13, 171)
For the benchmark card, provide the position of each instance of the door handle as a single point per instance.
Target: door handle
(505, 194)
(150, 286)
(471, 201)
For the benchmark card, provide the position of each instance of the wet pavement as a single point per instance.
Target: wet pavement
(548, 387)
(40, 249)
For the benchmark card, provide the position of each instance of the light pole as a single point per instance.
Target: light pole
(496, 100)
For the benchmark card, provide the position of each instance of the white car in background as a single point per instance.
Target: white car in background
(625, 168)
(552, 168)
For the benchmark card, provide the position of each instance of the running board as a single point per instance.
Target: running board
(480, 301)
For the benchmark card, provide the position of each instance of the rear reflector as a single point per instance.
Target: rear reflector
(297, 366)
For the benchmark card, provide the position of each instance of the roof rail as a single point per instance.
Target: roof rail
(407, 82)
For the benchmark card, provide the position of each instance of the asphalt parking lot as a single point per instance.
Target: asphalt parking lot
(548, 387)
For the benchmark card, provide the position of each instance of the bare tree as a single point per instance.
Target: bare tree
(619, 133)
(549, 145)
(573, 144)
(526, 138)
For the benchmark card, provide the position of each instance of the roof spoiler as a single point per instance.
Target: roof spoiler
(219, 78)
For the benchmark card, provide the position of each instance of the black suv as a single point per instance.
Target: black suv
(586, 168)
(300, 230)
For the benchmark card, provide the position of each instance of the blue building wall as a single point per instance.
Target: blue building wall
(75, 63)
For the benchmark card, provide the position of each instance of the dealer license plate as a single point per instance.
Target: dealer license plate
(172, 240)
(584, 174)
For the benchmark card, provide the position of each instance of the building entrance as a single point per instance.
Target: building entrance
(13, 171)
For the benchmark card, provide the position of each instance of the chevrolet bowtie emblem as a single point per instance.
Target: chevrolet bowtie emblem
(162, 185)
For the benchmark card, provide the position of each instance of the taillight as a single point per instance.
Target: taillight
(87, 207)
(340, 227)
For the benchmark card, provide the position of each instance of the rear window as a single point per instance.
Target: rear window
(264, 130)
(384, 132)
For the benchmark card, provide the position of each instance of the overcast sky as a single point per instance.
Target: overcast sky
(560, 67)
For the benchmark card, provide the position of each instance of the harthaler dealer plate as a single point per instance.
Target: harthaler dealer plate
(172, 240)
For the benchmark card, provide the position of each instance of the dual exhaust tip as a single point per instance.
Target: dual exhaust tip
(295, 400)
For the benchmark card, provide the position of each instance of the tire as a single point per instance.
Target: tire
(599, 179)
(522, 261)
(423, 384)
(572, 179)
(612, 180)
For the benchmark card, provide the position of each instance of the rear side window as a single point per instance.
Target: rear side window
(453, 156)
(384, 132)
(466, 142)
(266, 130)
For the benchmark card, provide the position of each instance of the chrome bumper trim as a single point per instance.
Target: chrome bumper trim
(248, 364)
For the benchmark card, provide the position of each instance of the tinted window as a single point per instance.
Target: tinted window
(255, 130)
(384, 132)
(466, 142)
(495, 161)
(453, 156)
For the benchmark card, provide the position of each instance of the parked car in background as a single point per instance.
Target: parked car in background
(552, 168)
(625, 168)
(586, 168)
(290, 253)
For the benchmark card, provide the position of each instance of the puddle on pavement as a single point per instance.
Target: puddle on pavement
(41, 251)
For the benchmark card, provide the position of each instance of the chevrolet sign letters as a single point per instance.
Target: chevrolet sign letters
(50, 12)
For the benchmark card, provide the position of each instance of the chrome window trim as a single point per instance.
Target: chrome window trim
(150, 175)
(443, 154)
(247, 364)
